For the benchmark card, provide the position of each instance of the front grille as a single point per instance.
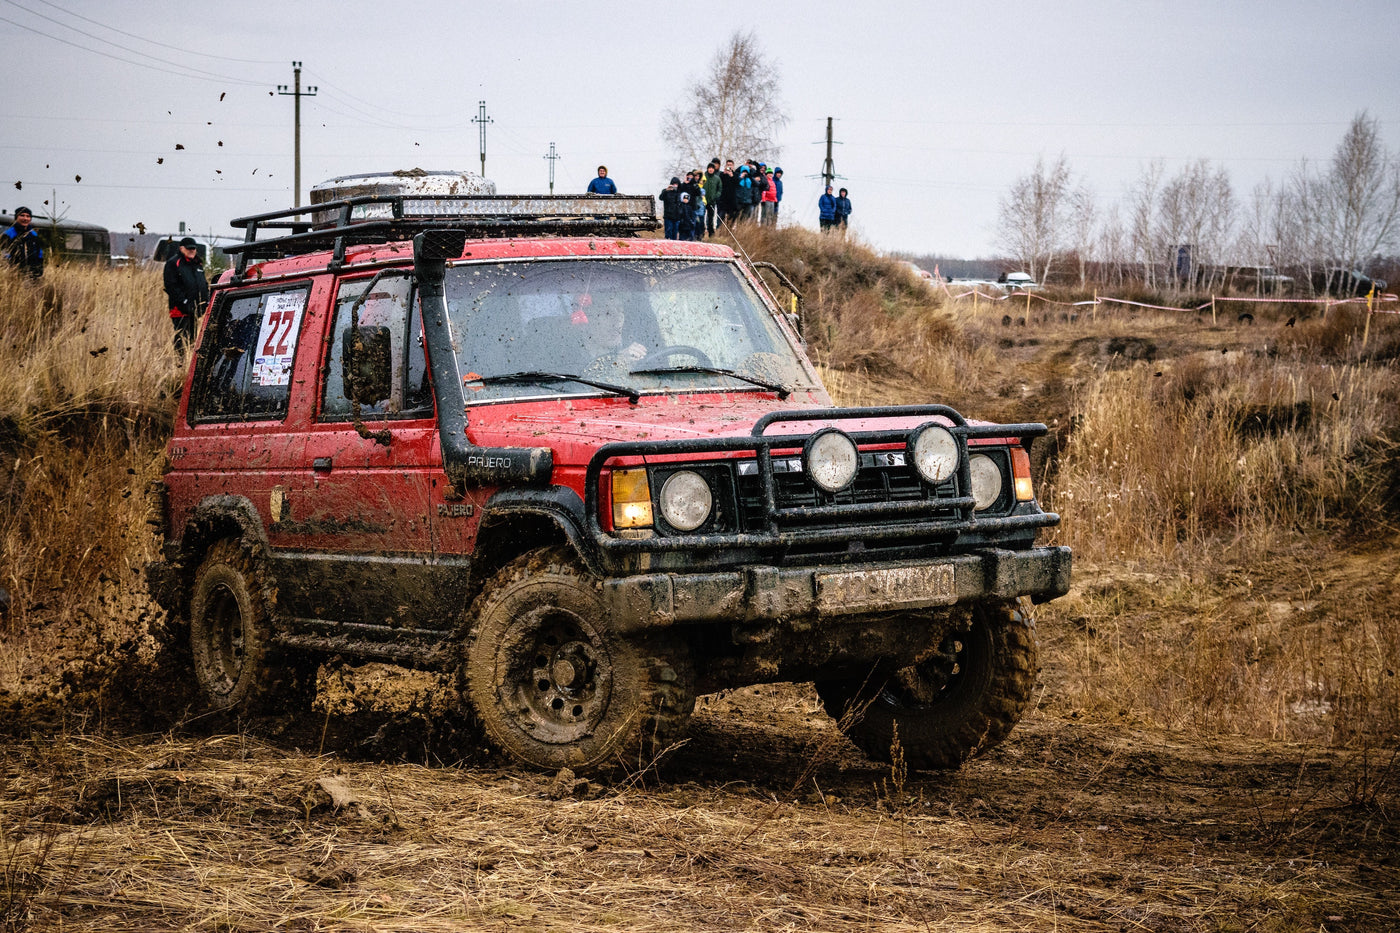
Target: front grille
(883, 477)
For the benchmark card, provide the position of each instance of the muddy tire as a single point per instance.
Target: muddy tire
(554, 686)
(952, 706)
(235, 665)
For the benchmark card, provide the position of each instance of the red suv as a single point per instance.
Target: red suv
(592, 474)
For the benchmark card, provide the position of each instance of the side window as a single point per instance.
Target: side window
(390, 306)
(244, 371)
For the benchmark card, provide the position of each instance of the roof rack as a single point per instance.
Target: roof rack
(380, 218)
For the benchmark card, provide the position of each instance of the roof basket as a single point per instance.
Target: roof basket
(334, 225)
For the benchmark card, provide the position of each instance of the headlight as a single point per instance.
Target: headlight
(686, 500)
(831, 460)
(934, 453)
(986, 481)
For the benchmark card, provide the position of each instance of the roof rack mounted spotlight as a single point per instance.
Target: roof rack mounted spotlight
(364, 219)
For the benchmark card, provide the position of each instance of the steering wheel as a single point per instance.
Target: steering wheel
(657, 357)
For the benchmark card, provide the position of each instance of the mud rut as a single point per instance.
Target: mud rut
(765, 818)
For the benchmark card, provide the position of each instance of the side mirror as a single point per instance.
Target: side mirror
(366, 364)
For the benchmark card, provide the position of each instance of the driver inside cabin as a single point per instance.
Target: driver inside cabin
(606, 340)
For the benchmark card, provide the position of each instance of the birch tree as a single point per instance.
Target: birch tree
(733, 110)
(1034, 216)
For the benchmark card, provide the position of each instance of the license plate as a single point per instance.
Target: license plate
(850, 591)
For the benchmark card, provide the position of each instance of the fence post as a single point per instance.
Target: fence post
(1212, 310)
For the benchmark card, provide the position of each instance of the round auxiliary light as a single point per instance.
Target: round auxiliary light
(934, 453)
(831, 460)
(986, 481)
(686, 500)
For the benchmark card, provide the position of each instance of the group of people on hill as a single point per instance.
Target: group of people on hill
(721, 194)
(694, 208)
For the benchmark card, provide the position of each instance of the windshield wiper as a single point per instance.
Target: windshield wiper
(537, 376)
(782, 390)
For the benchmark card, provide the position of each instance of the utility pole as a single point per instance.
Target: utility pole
(297, 94)
(482, 119)
(829, 166)
(553, 157)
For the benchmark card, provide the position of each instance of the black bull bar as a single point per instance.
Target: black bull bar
(870, 521)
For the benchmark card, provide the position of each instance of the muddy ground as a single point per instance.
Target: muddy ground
(764, 819)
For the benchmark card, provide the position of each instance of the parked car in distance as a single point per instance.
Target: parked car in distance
(1346, 283)
(1017, 281)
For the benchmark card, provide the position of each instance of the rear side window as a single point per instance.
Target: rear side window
(389, 306)
(244, 371)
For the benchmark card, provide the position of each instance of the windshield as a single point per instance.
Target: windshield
(649, 325)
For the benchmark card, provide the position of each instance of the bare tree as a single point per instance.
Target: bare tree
(1083, 220)
(1196, 212)
(1361, 194)
(1034, 216)
(733, 110)
(1143, 237)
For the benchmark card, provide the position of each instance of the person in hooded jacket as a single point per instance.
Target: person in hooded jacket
(671, 210)
(747, 195)
(768, 201)
(843, 209)
(690, 197)
(22, 246)
(826, 210)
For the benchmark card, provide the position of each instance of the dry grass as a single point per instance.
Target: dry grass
(87, 377)
(231, 833)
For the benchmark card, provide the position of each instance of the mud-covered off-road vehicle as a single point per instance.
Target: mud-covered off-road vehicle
(593, 474)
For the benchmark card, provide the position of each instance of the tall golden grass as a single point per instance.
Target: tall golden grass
(88, 375)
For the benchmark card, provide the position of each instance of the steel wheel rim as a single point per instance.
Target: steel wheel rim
(554, 676)
(228, 639)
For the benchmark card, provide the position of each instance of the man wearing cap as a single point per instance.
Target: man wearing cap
(187, 289)
(22, 245)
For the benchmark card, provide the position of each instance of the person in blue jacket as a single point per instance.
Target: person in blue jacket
(602, 184)
(777, 190)
(843, 209)
(826, 210)
(22, 246)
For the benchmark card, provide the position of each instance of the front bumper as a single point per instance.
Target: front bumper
(775, 594)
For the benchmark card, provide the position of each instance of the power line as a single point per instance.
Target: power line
(192, 72)
(176, 48)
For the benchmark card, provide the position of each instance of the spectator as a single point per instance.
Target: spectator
(826, 210)
(689, 198)
(777, 192)
(671, 213)
(843, 210)
(698, 221)
(23, 248)
(729, 193)
(602, 184)
(714, 183)
(768, 202)
(747, 197)
(187, 289)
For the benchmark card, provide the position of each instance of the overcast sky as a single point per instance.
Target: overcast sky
(938, 107)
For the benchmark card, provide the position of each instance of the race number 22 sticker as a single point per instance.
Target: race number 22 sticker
(277, 339)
